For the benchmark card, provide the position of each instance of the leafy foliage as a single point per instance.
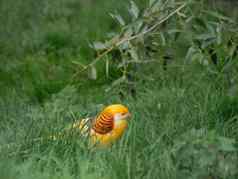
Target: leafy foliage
(200, 155)
(204, 37)
(136, 41)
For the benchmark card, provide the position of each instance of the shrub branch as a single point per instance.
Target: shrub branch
(123, 40)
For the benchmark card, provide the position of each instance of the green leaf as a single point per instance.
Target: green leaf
(232, 50)
(227, 144)
(134, 10)
(119, 19)
(191, 51)
(205, 37)
(163, 38)
(218, 16)
(199, 58)
(176, 33)
(79, 64)
(138, 25)
(116, 82)
(219, 34)
(208, 42)
(152, 2)
(107, 68)
(134, 54)
(172, 31)
(92, 73)
(200, 22)
(211, 28)
(181, 14)
(128, 33)
(99, 46)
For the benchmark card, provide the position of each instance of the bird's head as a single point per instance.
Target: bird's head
(117, 111)
(112, 117)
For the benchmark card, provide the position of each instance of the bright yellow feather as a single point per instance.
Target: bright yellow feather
(108, 139)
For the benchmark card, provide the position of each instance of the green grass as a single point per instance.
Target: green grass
(162, 113)
(184, 119)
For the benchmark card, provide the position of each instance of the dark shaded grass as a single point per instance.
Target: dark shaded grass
(165, 108)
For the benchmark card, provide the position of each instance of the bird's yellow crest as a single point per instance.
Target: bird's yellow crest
(116, 108)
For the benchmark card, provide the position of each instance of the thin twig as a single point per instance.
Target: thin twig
(151, 28)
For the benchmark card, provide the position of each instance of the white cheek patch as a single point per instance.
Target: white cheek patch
(117, 116)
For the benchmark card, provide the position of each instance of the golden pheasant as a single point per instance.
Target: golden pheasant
(107, 127)
(102, 130)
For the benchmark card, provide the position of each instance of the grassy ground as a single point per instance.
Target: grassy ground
(171, 105)
(175, 112)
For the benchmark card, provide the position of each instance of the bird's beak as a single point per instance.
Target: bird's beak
(128, 115)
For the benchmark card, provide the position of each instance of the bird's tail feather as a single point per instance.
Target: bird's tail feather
(82, 127)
